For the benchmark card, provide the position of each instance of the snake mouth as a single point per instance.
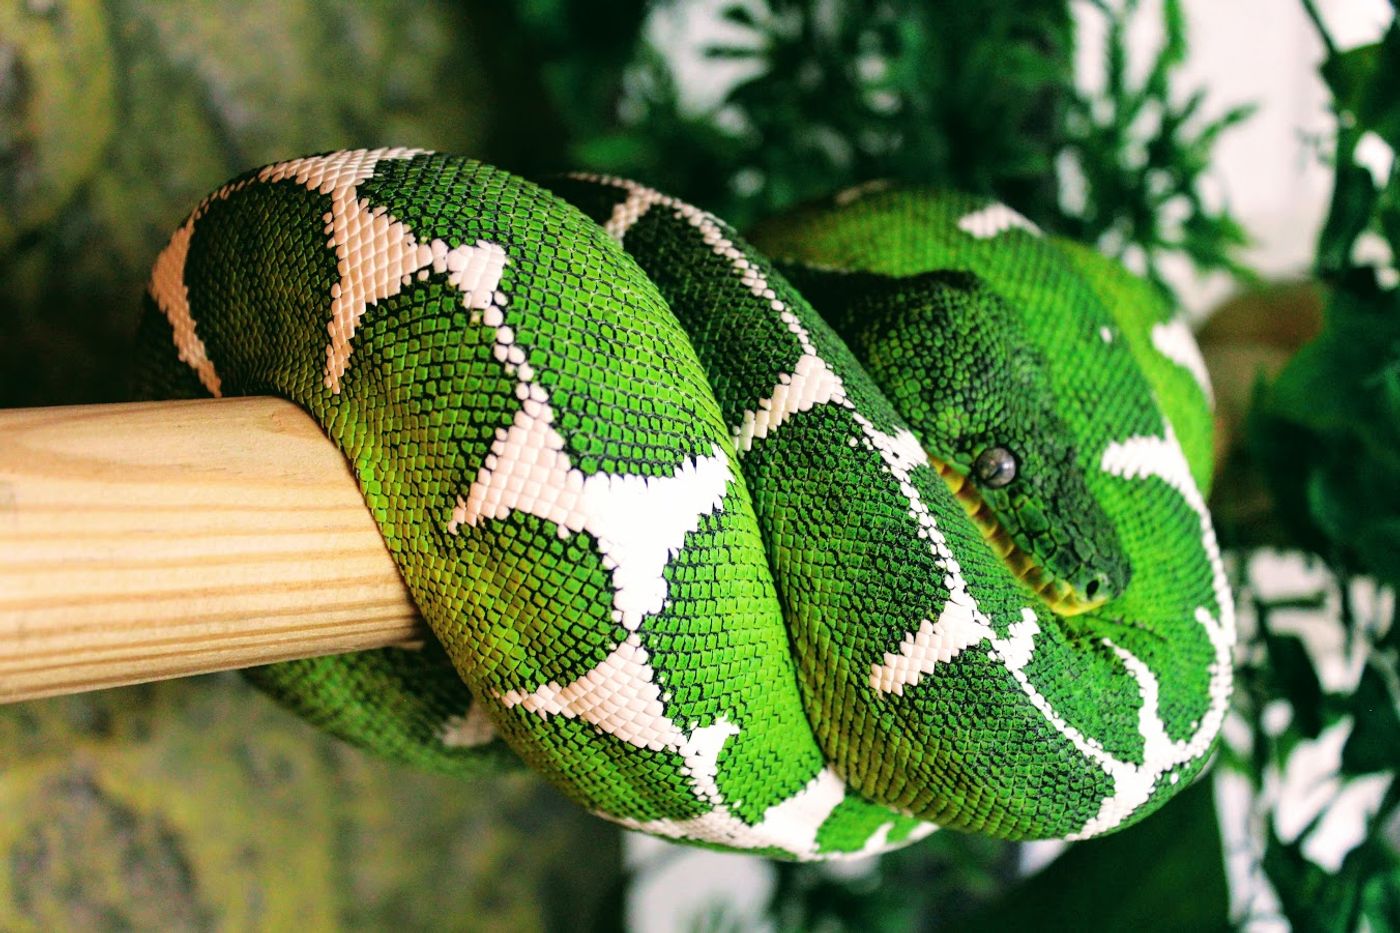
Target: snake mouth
(1058, 594)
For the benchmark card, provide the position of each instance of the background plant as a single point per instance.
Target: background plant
(1326, 435)
(976, 96)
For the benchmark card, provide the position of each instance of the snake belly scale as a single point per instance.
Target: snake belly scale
(900, 528)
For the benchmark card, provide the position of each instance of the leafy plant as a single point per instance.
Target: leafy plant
(1141, 157)
(1328, 430)
(976, 96)
(1327, 435)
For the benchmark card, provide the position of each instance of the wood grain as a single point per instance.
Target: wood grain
(146, 541)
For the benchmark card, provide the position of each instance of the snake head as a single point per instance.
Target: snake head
(949, 354)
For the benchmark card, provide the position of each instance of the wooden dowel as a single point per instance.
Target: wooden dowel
(146, 541)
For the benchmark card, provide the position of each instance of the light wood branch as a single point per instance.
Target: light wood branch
(146, 541)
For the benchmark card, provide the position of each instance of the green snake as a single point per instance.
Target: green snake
(890, 521)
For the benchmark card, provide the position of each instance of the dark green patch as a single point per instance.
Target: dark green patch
(600, 771)
(392, 702)
(854, 821)
(951, 356)
(259, 275)
(628, 394)
(529, 607)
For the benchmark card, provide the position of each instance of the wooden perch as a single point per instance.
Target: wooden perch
(146, 541)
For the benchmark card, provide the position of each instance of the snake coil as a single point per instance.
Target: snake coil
(900, 528)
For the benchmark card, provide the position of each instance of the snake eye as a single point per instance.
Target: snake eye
(995, 467)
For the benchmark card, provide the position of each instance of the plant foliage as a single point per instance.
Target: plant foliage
(1328, 430)
(976, 96)
(1327, 435)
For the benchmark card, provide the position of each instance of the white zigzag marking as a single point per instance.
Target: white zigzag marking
(377, 255)
(372, 249)
(810, 383)
(793, 824)
(628, 211)
(994, 220)
(639, 522)
(172, 296)
(1162, 458)
(335, 171)
(620, 697)
(1175, 341)
(961, 618)
(470, 730)
(962, 626)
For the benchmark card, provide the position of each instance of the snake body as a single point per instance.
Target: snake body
(902, 528)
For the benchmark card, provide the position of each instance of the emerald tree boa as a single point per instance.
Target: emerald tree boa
(888, 519)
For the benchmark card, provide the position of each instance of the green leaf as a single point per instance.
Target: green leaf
(1362, 82)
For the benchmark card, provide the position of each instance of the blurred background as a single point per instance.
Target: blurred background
(1239, 153)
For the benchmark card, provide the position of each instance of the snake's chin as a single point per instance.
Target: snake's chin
(1058, 594)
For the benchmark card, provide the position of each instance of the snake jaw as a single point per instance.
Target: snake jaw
(1058, 594)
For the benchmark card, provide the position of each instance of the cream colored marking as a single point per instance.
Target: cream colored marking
(1162, 458)
(170, 293)
(994, 220)
(377, 255)
(851, 195)
(639, 522)
(620, 697)
(812, 383)
(374, 254)
(353, 224)
(172, 296)
(791, 825)
(470, 730)
(337, 170)
(1175, 341)
(628, 211)
(958, 628)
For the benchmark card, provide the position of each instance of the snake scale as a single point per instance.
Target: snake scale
(890, 521)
